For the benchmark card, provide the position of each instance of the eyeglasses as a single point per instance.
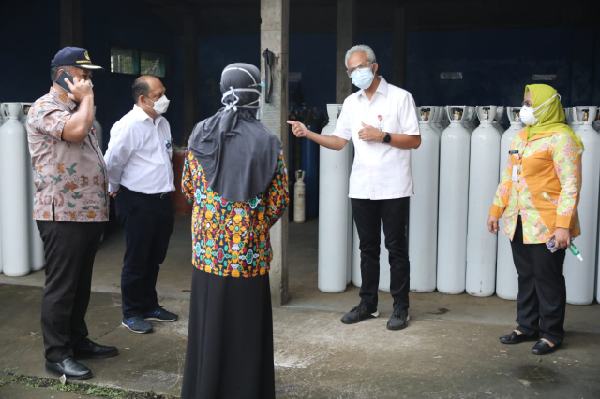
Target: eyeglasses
(354, 68)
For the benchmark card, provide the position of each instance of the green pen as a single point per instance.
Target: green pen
(575, 251)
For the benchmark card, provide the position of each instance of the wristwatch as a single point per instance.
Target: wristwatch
(387, 138)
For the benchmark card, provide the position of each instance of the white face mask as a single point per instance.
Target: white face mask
(161, 105)
(527, 113)
(363, 77)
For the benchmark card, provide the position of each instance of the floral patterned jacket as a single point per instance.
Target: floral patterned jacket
(541, 183)
(232, 238)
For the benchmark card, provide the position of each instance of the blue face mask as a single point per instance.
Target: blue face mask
(363, 77)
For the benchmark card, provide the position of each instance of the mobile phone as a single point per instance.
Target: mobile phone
(60, 80)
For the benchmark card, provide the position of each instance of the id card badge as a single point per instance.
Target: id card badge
(515, 168)
(515, 173)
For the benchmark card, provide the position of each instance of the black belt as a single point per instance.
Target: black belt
(153, 195)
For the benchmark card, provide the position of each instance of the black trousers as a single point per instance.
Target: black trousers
(368, 216)
(70, 249)
(148, 223)
(541, 297)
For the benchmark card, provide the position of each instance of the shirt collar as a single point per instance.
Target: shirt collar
(141, 115)
(62, 97)
(381, 89)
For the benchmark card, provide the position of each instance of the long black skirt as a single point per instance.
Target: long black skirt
(230, 339)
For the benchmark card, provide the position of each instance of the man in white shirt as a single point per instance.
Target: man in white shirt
(381, 121)
(140, 175)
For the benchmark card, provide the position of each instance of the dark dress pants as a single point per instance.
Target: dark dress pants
(148, 223)
(70, 249)
(369, 216)
(541, 297)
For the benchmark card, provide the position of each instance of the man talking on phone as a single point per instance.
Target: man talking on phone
(70, 207)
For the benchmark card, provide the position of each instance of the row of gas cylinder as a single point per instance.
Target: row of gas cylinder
(456, 171)
(21, 248)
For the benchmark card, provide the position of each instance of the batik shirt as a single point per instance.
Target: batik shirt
(541, 183)
(70, 178)
(232, 238)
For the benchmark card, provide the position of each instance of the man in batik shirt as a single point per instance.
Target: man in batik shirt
(70, 207)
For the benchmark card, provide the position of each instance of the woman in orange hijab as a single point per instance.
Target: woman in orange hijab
(537, 200)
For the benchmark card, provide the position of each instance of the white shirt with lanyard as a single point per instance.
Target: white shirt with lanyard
(139, 154)
(379, 171)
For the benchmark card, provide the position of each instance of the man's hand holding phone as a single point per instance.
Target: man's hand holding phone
(79, 89)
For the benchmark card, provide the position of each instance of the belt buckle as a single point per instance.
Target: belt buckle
(162, 195)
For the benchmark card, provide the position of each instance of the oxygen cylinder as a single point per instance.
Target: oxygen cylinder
(14, 188)
(465, 118)
(497, 122)
(596, 126)
(437, 118)
(453, 203)
(422, 247)
(334, 223)
(571, 118)
(24, 112)
(384, 266)
(349, 255)
(470, 121)
(36, 246)
(356, 276)
(38, 258)
(579, 276)
(299, 198)
(384, 263)
(1, 261)
(441, 119)
(506, 271)
(596, 123)
(484, 172)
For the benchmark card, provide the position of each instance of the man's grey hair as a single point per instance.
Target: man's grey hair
(361, 47)
(54, 71)
(140, 87)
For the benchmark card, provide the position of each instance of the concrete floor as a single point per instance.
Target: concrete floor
(450, 350)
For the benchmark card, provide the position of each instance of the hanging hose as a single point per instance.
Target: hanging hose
(269, 58)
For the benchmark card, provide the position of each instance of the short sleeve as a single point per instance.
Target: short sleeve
(343, 127)
(407, 116)
(47, 119)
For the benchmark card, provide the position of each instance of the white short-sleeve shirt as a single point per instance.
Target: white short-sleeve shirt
(139, 154)
(379, 171)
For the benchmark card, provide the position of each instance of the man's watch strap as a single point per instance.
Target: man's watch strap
(387, 138)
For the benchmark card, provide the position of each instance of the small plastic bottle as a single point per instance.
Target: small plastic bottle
(551, 245)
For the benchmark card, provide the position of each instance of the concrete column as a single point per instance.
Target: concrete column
(345, 35)
(190, 71)
(399, 45)
(275, 37)
(71, 32)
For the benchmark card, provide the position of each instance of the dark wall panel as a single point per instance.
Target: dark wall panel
(133, 27)
(496, 64)
(215, 52)
(30, 37)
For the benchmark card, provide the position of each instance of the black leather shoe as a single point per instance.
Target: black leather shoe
(514, 338)
(398, 320)
(88, 349)
(70, 368)
(543, 348)
(359, 313)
